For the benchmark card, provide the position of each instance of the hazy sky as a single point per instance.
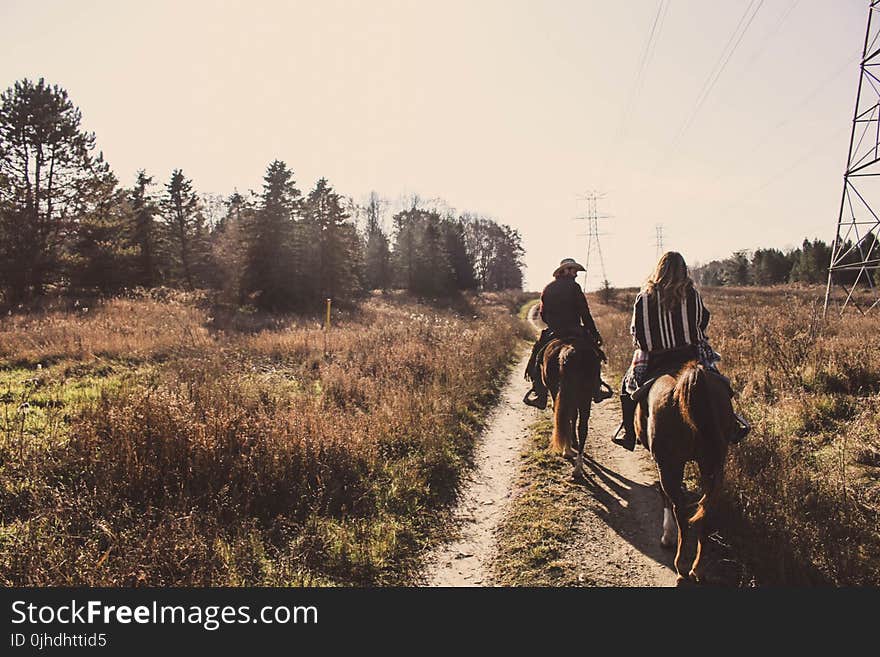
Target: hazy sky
(511, 109)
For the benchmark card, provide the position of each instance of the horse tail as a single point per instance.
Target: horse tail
(694, 399)
(565, 404)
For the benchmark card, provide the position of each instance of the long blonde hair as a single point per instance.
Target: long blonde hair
(670, 279)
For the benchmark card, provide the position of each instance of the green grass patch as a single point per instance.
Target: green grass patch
(539, 529)
(524, 309)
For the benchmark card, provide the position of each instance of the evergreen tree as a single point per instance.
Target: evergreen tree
(407, 227)
(770, 267)
(460, 260)
(184, 228)
(273, 274)
(101, 253)
(377, 254)
(505, 270)
(736, 269)
(228, 247)
(47, 172)
(146, 236)
(811, 264)
(434, 275)
(334, 244)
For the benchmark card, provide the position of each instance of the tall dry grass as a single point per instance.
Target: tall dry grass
(240, 454)
(802, 492)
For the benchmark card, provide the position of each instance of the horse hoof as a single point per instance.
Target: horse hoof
(668, 544)
(569, 454)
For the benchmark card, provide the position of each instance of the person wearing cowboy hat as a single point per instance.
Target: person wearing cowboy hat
(565, 310)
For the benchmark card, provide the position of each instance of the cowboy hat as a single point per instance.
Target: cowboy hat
(565, 264)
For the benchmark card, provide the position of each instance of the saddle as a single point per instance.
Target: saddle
(580, 334)
(661, 363)
(670, 362)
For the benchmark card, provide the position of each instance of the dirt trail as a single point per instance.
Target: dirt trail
(618, 531)
(467, 560)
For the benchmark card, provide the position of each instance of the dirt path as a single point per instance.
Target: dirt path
(467, 560)
(617, 522)
(618, 534)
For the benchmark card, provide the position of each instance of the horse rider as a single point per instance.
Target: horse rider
(668, 327)
(565, 310)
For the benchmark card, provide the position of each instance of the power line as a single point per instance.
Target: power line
(791, 115)
(638, 82)
(715, 74)
(773, 31)
(784, 172)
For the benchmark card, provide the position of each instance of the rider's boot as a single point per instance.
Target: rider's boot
(628, 412)
(537, 396)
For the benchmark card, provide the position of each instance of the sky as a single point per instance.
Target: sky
(726, 122)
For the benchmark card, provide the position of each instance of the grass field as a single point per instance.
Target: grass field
(159, 441)
(802, 493)
(162, 441)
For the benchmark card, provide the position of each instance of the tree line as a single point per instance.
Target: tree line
(67, 223)
(806, 264)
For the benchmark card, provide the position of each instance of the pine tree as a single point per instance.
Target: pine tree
(183, 223)
(101, 253)
(334, 244)
(273, 275)
(146, 236)
(46, 171)
(460, 259)
(228, 254)
(377, 254)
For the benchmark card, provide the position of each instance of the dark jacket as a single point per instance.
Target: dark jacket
(564, 307)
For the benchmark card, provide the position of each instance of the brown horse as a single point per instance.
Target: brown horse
(570, 369)
(687, 417)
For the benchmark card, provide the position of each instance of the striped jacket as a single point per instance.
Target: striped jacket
(656, 329)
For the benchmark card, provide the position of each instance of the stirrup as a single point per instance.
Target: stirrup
(603, 392)
(742, 429)
(538, 401)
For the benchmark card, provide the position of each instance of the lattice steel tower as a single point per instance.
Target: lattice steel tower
(592, 217)
(855, 252)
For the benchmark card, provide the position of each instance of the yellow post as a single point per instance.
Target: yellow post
(327, 327)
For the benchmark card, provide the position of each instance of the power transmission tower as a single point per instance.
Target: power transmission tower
(855, 252)
(592, 217)
(658, 241)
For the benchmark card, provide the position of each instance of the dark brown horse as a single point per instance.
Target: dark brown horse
(570, 369)
(687, 417)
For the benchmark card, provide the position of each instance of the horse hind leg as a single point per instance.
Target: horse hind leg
(569, 425)
(708, 483)
(582, 427)
(670, 530)
(671, 476)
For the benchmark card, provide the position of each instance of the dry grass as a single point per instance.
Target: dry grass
(802, 495)
(230, 449)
